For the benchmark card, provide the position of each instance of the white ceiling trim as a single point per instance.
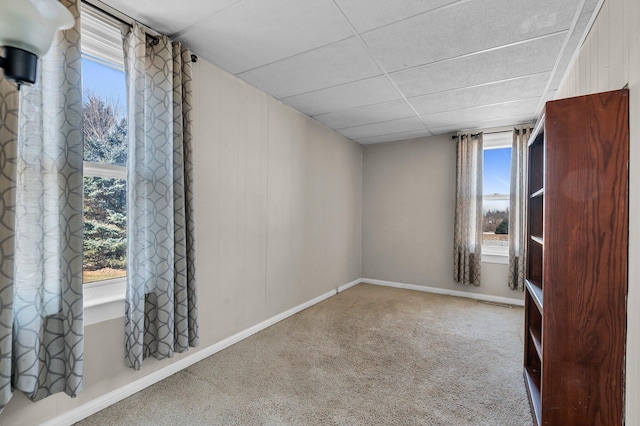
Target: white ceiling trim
(574, 54)
(562, 52)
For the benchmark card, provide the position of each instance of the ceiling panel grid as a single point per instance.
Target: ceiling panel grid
(384, 70)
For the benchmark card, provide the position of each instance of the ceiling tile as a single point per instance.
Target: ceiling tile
(482, 114)
(395, 137)
(338, 63)
(169, 16)
(345, 96)
(366, 115)
(258, 32)
(386, 128)
(466, 27)
(366, 15)
(504, 91)
(500, 64)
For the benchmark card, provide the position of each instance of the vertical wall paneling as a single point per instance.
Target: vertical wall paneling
(208, 212)
(241, 211)
(254, 234)
(228, 262)
(582, 77)
(616, 50)
(592, 85)
(274, 210)
(603, 49)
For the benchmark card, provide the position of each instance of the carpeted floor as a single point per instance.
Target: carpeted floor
(368, 356)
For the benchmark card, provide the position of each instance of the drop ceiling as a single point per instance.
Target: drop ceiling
(384, 70)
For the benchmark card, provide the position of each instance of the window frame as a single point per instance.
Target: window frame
(498, 140)
(102, 300)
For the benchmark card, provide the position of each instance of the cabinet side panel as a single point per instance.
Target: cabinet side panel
(585, 264)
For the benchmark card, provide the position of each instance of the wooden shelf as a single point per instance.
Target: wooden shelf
(532, 382)
(538, 193)
(536, 294)
(535, 336)
(565, 387)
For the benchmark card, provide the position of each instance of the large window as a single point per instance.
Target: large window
(495, 200)
(105, 149)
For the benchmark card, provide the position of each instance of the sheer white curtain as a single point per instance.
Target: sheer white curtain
(467, 244)
(161, 305)
(41, 328)
(517, 208)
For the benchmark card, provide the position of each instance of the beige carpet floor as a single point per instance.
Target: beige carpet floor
(368, 356)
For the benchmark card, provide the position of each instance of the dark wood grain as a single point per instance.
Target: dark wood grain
(584, 269)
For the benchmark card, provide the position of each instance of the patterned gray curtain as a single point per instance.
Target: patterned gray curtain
(41, 329)
(467, 243)
(161, 303)
(517, 208)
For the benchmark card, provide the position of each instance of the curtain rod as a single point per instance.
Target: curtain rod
(154, 39)
(490, 133)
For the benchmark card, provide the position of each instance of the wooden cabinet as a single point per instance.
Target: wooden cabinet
(576, 276)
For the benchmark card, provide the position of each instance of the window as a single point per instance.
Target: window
(495, 199)
(105, 160)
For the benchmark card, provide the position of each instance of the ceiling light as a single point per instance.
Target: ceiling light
(27, 29)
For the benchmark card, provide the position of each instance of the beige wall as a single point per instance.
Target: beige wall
(408, 215)
(608, 60)
(278, 221)
(278, 202)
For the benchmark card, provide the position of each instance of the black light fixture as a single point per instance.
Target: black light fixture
(27, 28)
(19, 65)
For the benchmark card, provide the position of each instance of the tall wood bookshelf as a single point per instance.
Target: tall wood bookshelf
(576, 275)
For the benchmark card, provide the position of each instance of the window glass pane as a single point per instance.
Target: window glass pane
(105, 229)
(103, 113)
(495, 222)
(497, 169)
(495, 212)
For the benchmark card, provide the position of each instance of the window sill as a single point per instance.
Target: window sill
(104, 300)
(495, 254)
(495, 258)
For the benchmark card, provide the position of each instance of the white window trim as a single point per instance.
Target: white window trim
(496, 254)
(104, 300)
(102, 43)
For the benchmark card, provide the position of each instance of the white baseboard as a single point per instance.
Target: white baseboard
(102, 402)
(483, 297)
(349, 285)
